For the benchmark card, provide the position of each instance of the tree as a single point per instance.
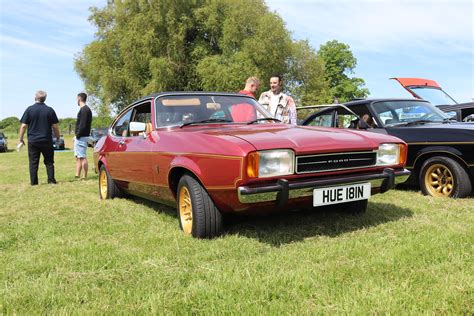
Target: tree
(160, 45)
(339, 64)
(10, 124)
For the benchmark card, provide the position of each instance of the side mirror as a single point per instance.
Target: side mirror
(137, 127)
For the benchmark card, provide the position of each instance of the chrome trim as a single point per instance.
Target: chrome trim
(338, 153)
(376, 184)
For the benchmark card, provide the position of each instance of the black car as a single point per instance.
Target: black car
(3, 143)
(440, 150)
(58, 144)
(96, 134)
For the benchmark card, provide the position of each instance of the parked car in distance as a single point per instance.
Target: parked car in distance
(211, 154)
(96, 134)
(430, 90)
(440, 150)
(58, 144)
(3, 143)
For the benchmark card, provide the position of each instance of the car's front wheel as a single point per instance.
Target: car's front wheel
(198, 216)
(444, 177)
(107, 187)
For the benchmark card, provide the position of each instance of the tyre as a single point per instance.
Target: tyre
(107, 187)
(198, 216)
(444, 177)
(356, 207)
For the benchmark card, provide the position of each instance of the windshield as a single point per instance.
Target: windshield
(401, 112)
(435, 96)
(208, 109)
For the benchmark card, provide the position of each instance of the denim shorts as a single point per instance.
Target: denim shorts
(80, 147)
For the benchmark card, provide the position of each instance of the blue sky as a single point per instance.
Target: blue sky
(427, 39)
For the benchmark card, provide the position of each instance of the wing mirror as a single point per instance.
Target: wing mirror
(137, 127)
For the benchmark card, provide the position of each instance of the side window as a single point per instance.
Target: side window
(142, 114)
(322, 120)
(121, 126)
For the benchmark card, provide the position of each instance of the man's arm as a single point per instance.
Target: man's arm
(22, 132)
(56, 131)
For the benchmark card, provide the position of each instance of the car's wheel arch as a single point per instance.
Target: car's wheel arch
(438, 151)
(175, 174)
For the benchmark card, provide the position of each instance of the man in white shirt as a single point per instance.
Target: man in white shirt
(280, 105)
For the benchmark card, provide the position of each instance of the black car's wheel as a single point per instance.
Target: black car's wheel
(198, 216)
(356, 207)
(444, 177)
(107, 187)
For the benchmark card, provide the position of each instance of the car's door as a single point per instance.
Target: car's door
(130, 160)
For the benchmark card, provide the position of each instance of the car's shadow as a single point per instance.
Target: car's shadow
(289, 227)
(293, 226)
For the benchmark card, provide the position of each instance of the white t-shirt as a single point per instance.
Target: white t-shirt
(274, 100)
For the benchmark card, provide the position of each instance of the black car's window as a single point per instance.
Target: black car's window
(399, 112)
(120, 128)
(183, 109)
(1, 135)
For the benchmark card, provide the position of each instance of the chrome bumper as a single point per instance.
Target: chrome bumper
(283, 190)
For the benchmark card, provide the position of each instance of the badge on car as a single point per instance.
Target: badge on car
(341, 194)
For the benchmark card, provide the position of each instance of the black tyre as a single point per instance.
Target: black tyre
(107, 187)
(444, 177)
(356, 207)
(198, 216)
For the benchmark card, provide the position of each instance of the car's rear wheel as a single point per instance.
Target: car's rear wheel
(444, 177)
(356, 207)
(107, 187)
(198, 216)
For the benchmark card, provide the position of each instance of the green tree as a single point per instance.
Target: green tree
(339, 64)
(10, 124)
(160, 45)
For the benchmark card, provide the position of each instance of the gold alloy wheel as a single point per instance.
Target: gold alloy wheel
(439, 180)
(103, 184)
(185, 210)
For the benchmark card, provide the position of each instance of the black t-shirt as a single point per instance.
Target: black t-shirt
(40, 119)
(83, 122)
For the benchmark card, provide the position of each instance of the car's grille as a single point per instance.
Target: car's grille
(337, 161)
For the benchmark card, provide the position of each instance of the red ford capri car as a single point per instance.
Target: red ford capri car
(210, 154)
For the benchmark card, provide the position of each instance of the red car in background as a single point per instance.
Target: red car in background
(215, 153)
(430, 90)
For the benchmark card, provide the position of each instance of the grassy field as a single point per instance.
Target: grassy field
(64, 251)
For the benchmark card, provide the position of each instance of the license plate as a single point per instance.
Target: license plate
(341, 194)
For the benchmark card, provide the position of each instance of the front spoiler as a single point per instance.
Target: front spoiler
(283, 190)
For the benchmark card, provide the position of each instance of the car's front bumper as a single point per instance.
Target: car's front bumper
(284, 190)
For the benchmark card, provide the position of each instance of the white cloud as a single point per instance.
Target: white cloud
(25, 43)
(383, 26)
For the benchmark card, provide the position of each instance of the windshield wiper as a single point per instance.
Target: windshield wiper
(207, 121)
(264, 119)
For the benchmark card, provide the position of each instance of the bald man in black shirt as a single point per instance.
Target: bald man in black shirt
(40, 120)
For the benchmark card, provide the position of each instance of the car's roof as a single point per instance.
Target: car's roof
(160, 94)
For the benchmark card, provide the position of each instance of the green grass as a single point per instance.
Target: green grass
(64, 251)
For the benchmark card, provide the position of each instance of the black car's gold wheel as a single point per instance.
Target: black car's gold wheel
(107, 187)
(439, 180)
(185, 210)
(198, 216)
(444, 177)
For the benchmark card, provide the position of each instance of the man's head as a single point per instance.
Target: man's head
(252, 84)
(275, 83)
(40, 96)
(81, 98)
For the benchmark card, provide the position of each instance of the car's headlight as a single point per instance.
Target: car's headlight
(391, 154)
(270, 163)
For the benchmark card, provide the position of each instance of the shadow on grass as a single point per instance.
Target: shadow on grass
(293, 226)
(283, 228)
